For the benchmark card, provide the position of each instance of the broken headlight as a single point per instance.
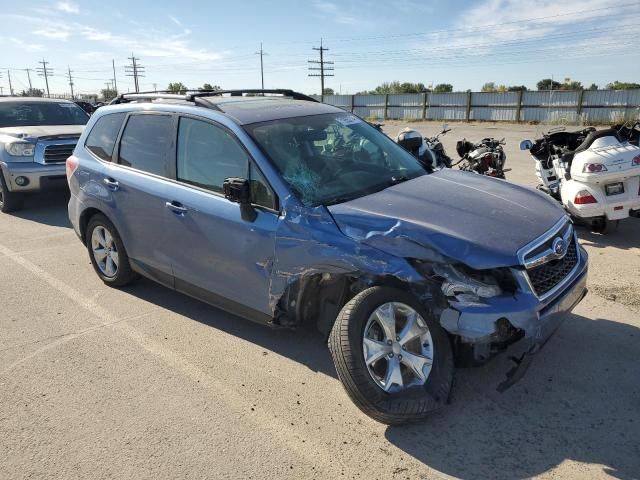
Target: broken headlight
(466, 285)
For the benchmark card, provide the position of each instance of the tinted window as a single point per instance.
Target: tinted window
(104, 134)
(22, 114)
(146, 143)
(208, 154)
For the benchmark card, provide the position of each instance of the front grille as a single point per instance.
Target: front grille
(58, 153)
(546, 276)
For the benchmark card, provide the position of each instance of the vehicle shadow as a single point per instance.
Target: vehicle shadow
(49, 208)
(578, 402)
(305, 345)
(624, 237)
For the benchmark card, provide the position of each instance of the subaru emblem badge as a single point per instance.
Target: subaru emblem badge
(559, 247)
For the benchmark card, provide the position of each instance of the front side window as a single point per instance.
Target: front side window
(333, 158)
(28, 114)
(104, 134)
(208, 154)
(146, 143)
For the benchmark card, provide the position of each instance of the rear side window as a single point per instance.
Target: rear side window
(103, 135)
(208, 154)
(146, 143)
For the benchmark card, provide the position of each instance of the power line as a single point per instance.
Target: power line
(45, 72)
(322, 68)
(134, 70)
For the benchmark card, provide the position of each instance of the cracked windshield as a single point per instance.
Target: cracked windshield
(328, 159)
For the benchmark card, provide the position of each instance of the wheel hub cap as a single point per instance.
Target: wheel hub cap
(397, 347)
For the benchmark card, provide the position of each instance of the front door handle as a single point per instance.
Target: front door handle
(176, 207)
(111, 183)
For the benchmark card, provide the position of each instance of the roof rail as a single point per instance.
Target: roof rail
(191, 95)
(257, 91)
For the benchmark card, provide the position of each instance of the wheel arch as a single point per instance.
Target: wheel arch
(85, 217)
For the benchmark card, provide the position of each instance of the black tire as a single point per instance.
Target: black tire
(345, 344)
(124, 274)
(9, 201)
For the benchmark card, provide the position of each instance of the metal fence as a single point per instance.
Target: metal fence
(579, 106)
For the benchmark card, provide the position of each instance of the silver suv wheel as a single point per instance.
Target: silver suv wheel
(105, 251)
(398, 348)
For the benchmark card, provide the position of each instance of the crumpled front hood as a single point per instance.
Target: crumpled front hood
(479, 221)
(36, 132)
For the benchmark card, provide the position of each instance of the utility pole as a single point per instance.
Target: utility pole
(261, 53)
(134, 70)
(45, 72)
(322, 67)
(70, 80)
(10, 86)
(29, 77)
(115, 85)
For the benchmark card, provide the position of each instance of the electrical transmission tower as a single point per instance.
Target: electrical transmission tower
(320, 66)
(261, 53)
(134, 70)
(70, 78)
(45, 72)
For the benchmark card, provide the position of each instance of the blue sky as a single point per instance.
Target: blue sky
(462, 42)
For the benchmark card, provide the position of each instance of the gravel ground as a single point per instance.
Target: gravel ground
(146, 383)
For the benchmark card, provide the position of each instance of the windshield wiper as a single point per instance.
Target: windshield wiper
(395, 180)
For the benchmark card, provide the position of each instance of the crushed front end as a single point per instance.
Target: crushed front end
(527, 305)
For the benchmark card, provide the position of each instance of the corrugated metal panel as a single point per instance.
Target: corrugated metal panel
(606, 115)
(369, 100)
(507, 114)
(408, 105)
(548, 115)
(369, 112)
(447, 99)
(557, 98)
(611, 97)
(494, 98)
(446, 113)
(342, 101)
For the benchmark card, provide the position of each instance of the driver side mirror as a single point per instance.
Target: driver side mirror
(238, 190)
(526, 145)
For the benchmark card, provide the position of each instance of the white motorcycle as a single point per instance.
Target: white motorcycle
(594, 173)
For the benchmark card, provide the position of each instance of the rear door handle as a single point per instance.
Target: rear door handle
(176, 207)
(111, 183)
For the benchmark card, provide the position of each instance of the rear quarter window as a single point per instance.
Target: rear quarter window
(102, 138)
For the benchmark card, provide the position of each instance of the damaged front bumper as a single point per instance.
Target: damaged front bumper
(521, 321)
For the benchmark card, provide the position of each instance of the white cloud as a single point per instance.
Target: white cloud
(67, 7)
(29, 47)
(53, 33)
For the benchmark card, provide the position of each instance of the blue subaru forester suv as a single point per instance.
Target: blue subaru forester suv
(287, 211)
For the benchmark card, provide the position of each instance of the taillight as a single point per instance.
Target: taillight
(593, 168)
(636, 161)
(72, 166)
(583, 197)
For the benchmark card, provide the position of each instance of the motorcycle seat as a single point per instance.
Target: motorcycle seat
(588, 141)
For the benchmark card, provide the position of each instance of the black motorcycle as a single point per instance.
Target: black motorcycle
(486, 157)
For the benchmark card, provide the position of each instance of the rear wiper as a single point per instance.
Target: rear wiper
(398, 179)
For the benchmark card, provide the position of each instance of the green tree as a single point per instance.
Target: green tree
(108, 94)
(548, 84)
(569, 84)
(517, 88)
(208, 86)
(488, 87)
(593, 86)
(177, 87)
(443, 88)
(328, 91)
(397, 87)
(32, 92)
(622, 85)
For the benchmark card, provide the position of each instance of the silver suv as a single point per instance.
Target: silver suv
(36, 137)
